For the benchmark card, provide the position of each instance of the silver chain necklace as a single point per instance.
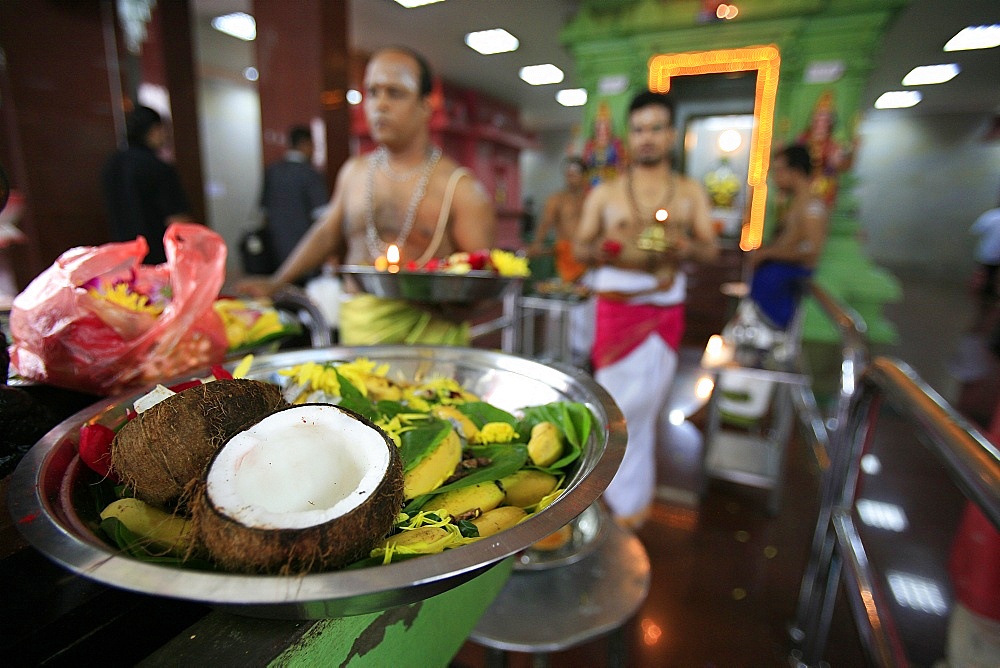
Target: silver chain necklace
(381, 158)
(376, 246)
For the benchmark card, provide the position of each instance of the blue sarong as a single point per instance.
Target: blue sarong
(776, 288)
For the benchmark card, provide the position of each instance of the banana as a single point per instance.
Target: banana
(526, 488)
(164, 531)
(424, 539)
(433, 469)
(545, 445)
(462, 423)
(482, 496)
(496, 520)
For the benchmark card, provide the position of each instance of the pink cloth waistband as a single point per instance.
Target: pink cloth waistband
(622, 326)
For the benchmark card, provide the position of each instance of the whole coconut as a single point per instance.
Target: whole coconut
(159, 452)
(309, 487)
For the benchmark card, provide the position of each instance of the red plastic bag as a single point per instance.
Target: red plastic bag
(93, 320)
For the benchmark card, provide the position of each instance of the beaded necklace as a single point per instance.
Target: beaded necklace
(653, 236)
(379, 160)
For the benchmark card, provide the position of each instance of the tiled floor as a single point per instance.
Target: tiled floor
(725, 575)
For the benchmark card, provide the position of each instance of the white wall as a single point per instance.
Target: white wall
(231, 154)
(922, 181)
(542, 168)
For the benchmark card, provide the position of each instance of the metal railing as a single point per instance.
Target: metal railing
(969, 458)
(828, 440)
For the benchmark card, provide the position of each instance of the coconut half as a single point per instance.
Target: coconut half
(308, 487)
(167, 446)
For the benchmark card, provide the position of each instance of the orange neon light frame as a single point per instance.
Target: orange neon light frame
(766, 60)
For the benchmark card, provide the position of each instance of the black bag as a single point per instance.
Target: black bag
(257, 254)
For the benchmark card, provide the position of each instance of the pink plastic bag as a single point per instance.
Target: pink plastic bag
(90, 321)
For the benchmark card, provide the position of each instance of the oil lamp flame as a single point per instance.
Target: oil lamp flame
(392, 257)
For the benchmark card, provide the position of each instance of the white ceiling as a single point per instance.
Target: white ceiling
(438, 30)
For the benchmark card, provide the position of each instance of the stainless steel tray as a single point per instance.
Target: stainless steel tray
(431, 287)
(49, 503)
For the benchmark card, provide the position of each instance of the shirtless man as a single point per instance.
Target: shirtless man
(404, 193)
(637, 255)
(562, 213)
(794, 250)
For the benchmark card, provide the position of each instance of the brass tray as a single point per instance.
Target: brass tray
(50, 505)
(432, 287)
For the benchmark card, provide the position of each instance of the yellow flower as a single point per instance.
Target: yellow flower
(121, 294)
(360, 370)
(495, 432)
(508, 264)
(312, 376)
(437, 391)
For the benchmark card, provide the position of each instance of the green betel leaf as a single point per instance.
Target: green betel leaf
(139, 547)
(481, 413)
(574, 420)
(352, 399)
(417, 443)
(390, 409)
(504, 460)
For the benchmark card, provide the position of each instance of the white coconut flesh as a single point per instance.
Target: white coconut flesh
(298, 467)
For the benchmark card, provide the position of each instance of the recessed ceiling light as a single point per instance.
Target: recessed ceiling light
(539, 75)
(931, 74)
(572, 97)
(488, 42)
(898, 99)
(238, 24)
(354, 96)
(975, 37)
(410, 4)
(251, 74)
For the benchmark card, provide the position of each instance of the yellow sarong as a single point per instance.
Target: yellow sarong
(367, 320)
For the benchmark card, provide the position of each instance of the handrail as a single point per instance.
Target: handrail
(810, 625)
(969, 458)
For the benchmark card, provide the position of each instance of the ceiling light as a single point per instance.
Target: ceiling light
(410, 4)
(238, 25)
(572, 97)
(353, 96)
(931, 74)
(975, 37)
(488, 42)
(251, 74)
(898, 99)
(539, 75)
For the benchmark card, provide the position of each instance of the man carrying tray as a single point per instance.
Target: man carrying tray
(635, 231)
(404, 193)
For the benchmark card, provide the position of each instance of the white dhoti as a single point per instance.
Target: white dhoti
(635, 359)
(639, 383)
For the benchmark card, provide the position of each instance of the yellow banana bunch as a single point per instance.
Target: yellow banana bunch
(480, 497)
(525, 488)
(496, 520)
(163, 531)
(545, 446)
(431, 472)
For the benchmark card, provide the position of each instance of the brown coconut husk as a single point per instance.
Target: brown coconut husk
(327, 546)
(159, 452)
